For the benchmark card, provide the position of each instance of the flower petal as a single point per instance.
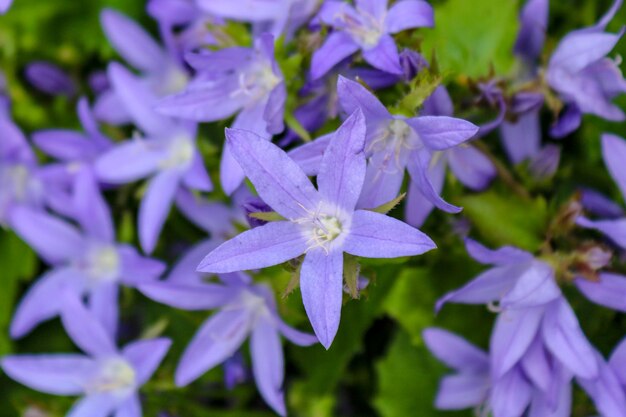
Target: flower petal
(279, 181)
(92, 210)
(97, 405)
(321, 284)
(336, 47)
(263, 246)
(455, 352)
(353, 96)
(374, 235)
(614, 154)
(510, 395)
(137, 269)
(504, 255)
(534, 287)
(384, 55)
(268, 364)
(130, 408)
(145, 356)
(342, 172)
(309, 155)
(609, 291)
(613, 229)
(408, 14)
(471, 167)
(458, 392)
(129, 161)
(577, 50)
(103, 304)
(189, 296)
(418, 167)
(217, 340)
(295, 336)
(442, 132)
(60, 374)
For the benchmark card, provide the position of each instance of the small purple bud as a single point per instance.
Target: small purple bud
(49, 78)
(255, 205)
(545, 163)
(99, 82)
(235, 372)
(412, 63)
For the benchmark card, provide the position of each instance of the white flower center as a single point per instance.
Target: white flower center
(258, 81)
(179, 154)
(322, 229)
(396, 139)
(115, 375)
(366, 30)
(103, 264)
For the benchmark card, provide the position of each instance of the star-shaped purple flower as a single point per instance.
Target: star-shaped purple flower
(245, 310)
(368, 27)
(321, 224)
(107, 378)
(167, 155)
(86, 263)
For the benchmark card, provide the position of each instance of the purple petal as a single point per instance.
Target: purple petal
(487, 287)
(231, 173)
(577, 50)
(103, 304)
(309, 155)
(184, 271)
(374, 235)
(271, 244)
(614, 229)
(471, 167)
(268, 364)
(296, 336)
(383, 180)
(522, 139)
(564, 338)
(189, 296)
(532, 34)
(536, 364)
(455, 351)
(274, 110)
(85, 329)
(353, 96)
(95, 405)
(244, 10)
(336, 47)
(384, 55)
(212, 216)
(278, 180)
(131, 407)
(132, 42)
(108, 108)
(534, 287)
(145, 356)
(49, 78)
(65, 145)
(53, 239)
(569, 120)
(136, 269)
(138, 100)
(442, 132)
(44, 299)
(418, 167)
(418, 207)
(510, 395)
(408, 14)
(59, 374)
(197, 177)
(5, 5)
(600, 205)
(614, 154)
(609, 291)
(321, 284)
(342, 172)
(92, 210)
(128, 162)
(504, 255)
(217, 340)
(617, 361)
(458, 392)
(155, 207)
(606, 391)
(512, 335)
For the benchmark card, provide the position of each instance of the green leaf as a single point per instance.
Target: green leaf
(411, 301)
(507, 219)
(267, 216)
(390, 205)
(407, 380)
(471, 36)
(422, 86)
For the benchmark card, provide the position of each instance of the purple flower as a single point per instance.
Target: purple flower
(276, 17)
(238, 80)
(367, 27)
(613, 152)
(469, 387)
(245, 309)
(86, 263)
(49, 78)
(321, 224)
(584, 77)
(5, 5)
(21, 180)
(396, 142)
(76, 152)
(167, 155)
(532, 34)
(107, 378)
(161, 72)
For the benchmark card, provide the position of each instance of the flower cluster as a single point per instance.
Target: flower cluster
(327, 113)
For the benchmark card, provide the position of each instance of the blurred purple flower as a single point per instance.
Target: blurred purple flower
(86, 263)
(246, 81)
(367, 27)
(50, 79)
(5, 5)
(245, 310)
(584, 77)
(276, 17)
(321, 224)
(167, 155)
(396, 142)
(533, 27)
(162, 72)
(108, 379)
